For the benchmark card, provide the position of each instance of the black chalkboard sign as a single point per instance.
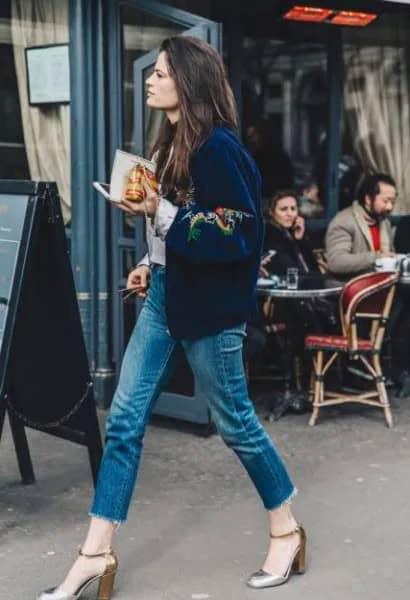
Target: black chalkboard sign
(45, 381)
(15, 216)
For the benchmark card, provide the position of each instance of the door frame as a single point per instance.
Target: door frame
(115, 136)
(178, 16)
(140, 64)
(89, 254)
(172, 402)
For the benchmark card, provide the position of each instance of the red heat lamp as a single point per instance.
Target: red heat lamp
(353, 19)
(308, 14)
(311, 14)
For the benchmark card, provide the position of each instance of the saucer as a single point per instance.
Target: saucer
(265, 282)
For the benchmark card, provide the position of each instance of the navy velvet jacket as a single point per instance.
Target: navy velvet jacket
(213, 247)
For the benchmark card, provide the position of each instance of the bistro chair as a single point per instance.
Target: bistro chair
(368, 298)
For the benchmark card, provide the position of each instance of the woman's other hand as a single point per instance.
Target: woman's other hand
(263, 271)
(299, 228)
(138, 280)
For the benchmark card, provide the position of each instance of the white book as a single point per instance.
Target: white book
(124, 163)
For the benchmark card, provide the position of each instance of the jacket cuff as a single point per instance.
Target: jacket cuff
(164, 217)
(144, 262)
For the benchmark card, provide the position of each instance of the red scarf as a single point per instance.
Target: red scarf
(375, 235)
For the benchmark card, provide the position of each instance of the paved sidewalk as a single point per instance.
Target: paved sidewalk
(196, 527)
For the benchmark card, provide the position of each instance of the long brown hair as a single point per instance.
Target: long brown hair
(205, 100)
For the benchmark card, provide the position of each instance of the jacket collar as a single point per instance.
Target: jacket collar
(364, 222)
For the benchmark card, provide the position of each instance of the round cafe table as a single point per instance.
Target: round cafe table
(309, 287)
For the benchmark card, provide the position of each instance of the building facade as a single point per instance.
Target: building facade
(329, 99)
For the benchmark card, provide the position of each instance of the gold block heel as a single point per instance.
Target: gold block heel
(106, 581)
(299, 564)
(106, 586)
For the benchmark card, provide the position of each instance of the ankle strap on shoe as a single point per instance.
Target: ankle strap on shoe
(286, 534)
(81, 553)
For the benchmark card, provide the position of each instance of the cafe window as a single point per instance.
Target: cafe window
(34, 140)
(13, 159)
(376, 125)
(285, 82)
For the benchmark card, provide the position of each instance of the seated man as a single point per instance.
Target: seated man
(361, 233)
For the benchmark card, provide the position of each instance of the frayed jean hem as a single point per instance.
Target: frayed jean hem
(115, 522)
(286, 500)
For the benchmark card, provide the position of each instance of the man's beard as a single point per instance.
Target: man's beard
(378, 217)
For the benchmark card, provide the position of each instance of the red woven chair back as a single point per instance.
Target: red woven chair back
(366, 294)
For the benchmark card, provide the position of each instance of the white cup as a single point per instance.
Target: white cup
(386, 263)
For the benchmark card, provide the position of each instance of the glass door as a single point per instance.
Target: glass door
(179, 399)
(140, 27)
(147, 122)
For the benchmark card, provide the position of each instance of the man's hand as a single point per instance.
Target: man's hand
(138, 280)
(390, 254)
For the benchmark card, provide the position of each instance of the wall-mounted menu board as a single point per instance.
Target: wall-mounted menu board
(48, 74)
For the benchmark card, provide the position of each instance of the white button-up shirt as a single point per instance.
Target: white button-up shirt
(156, 230)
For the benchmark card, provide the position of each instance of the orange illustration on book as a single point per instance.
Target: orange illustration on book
(134, 190)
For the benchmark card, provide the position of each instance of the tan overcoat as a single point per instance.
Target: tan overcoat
(349, 245)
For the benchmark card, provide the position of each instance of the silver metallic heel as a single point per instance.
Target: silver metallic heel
(261, 579)
(106, 581)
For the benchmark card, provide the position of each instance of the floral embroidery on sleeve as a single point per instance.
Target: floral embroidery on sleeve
(225, 219)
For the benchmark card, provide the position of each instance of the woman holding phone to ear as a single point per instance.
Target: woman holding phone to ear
(286, 239)
(205, 237)
(285, 234)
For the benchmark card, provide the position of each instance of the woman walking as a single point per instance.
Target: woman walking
(205, 238)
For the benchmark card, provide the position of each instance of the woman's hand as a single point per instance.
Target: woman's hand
(299, 228)
(138, 280)
(263, 271)
(148, 207)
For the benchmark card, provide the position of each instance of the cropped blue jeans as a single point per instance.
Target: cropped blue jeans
(217, 364)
